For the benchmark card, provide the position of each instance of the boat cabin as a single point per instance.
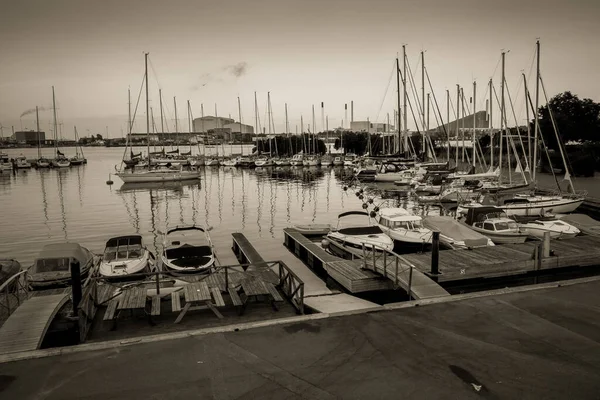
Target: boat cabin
(123, 248)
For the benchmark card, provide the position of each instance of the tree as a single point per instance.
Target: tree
(98, 137)
(576, 119)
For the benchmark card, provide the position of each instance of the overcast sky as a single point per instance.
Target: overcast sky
(303, 52)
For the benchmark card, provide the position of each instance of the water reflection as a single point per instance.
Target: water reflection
(60, 175)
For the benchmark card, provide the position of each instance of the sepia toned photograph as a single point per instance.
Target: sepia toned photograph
(276, 199)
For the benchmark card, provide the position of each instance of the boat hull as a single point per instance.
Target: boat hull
(539, 208)
(152, 176)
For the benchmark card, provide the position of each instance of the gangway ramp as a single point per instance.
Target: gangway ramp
(25, 328)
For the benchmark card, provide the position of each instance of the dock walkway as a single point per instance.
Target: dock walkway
(509, 259)
(25, 328)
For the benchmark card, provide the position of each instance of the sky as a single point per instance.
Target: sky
(302, 52)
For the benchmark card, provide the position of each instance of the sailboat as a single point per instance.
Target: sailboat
(164, 174)
(312, 159)
(41, 162)
(78, 159)
(60, 161)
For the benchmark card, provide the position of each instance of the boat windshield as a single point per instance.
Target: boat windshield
(52, 264)
(122, 252)
(405, 224)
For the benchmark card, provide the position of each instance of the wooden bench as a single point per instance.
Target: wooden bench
(111, 308)
(273, 291)
(216, 294)
(155, 310)
(235, 297)
(176, 301)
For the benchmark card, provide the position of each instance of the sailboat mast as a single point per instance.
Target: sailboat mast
(501, 114)
(176, 124)
(147, 108)
(302, 132)
(423, 97)
(537, 105)
(202, 128)
(473, 139)
(256, 122)
(162, 124)
(189, 117)
(55, 124)
(491, 124)
(216, 129)
(241, 132)
(448, 122)
(37, 123)
(399, 121)
(457, 117)
(269, 120)
(405, 99)
(528, 126)
(287, 130)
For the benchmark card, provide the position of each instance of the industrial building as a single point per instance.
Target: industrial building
(31, 138)
(221, 125)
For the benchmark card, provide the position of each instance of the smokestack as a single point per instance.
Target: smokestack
(345, 114)
(352, 111)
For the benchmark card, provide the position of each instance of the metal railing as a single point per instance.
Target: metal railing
(13, 292)
(390, 264)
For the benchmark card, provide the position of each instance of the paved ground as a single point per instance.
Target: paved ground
(536, 344)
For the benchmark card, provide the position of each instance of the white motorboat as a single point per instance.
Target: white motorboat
(297, 160)
(405, 228)
(22, 162)
(455, 235)
(282, 162)
(212, 162)
(558, 229)
(313, 229)
(311, 160)
(52, 267)
(231, 162)
(124, 256)
(263, 161)
(586, 224)
(187, 249)
(355, 235)
(493, 223)
(350, 160)
(391, 172)
(42, 163)
(527, 205)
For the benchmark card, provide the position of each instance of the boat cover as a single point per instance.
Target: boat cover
(448, 226)
(60, 251)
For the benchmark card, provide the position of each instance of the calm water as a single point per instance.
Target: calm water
(75, 204)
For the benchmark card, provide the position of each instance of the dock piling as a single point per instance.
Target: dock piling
(546, 245)
(76, 285)
(435, 253)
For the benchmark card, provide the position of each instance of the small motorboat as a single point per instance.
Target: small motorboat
(52, 267)
(536, 228)
(313, 229)
(124, 256)
(338, 160)
(354, 235)
(311, 160)
(22, 163)
(406, 229)
(231, 162)
(493, 223)
(187, 249)
(586, 224)
(263, 161)
(5, 163)
(43, 163)
(455, 235)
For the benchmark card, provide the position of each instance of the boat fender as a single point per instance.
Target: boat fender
(325, 243)
(365, 206)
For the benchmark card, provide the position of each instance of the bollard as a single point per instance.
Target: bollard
(435, 253)
(76, 285)
(546, 245)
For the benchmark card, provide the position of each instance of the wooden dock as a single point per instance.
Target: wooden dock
(509, 259)
(25, 328)
(357, 276)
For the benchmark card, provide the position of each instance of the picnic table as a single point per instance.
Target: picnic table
(198, 296)
(256, 287)
(130, 299)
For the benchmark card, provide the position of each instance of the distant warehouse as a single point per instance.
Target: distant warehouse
(30, 137)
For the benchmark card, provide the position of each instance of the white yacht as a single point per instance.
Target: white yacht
(526, 205)
(355, 235)
(405, 228)
(558, 229)
(493, 223)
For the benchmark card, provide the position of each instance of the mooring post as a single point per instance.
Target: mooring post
(435, 253)
(76, 285)
(410, 273)
(546, 245)
(157, 285)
